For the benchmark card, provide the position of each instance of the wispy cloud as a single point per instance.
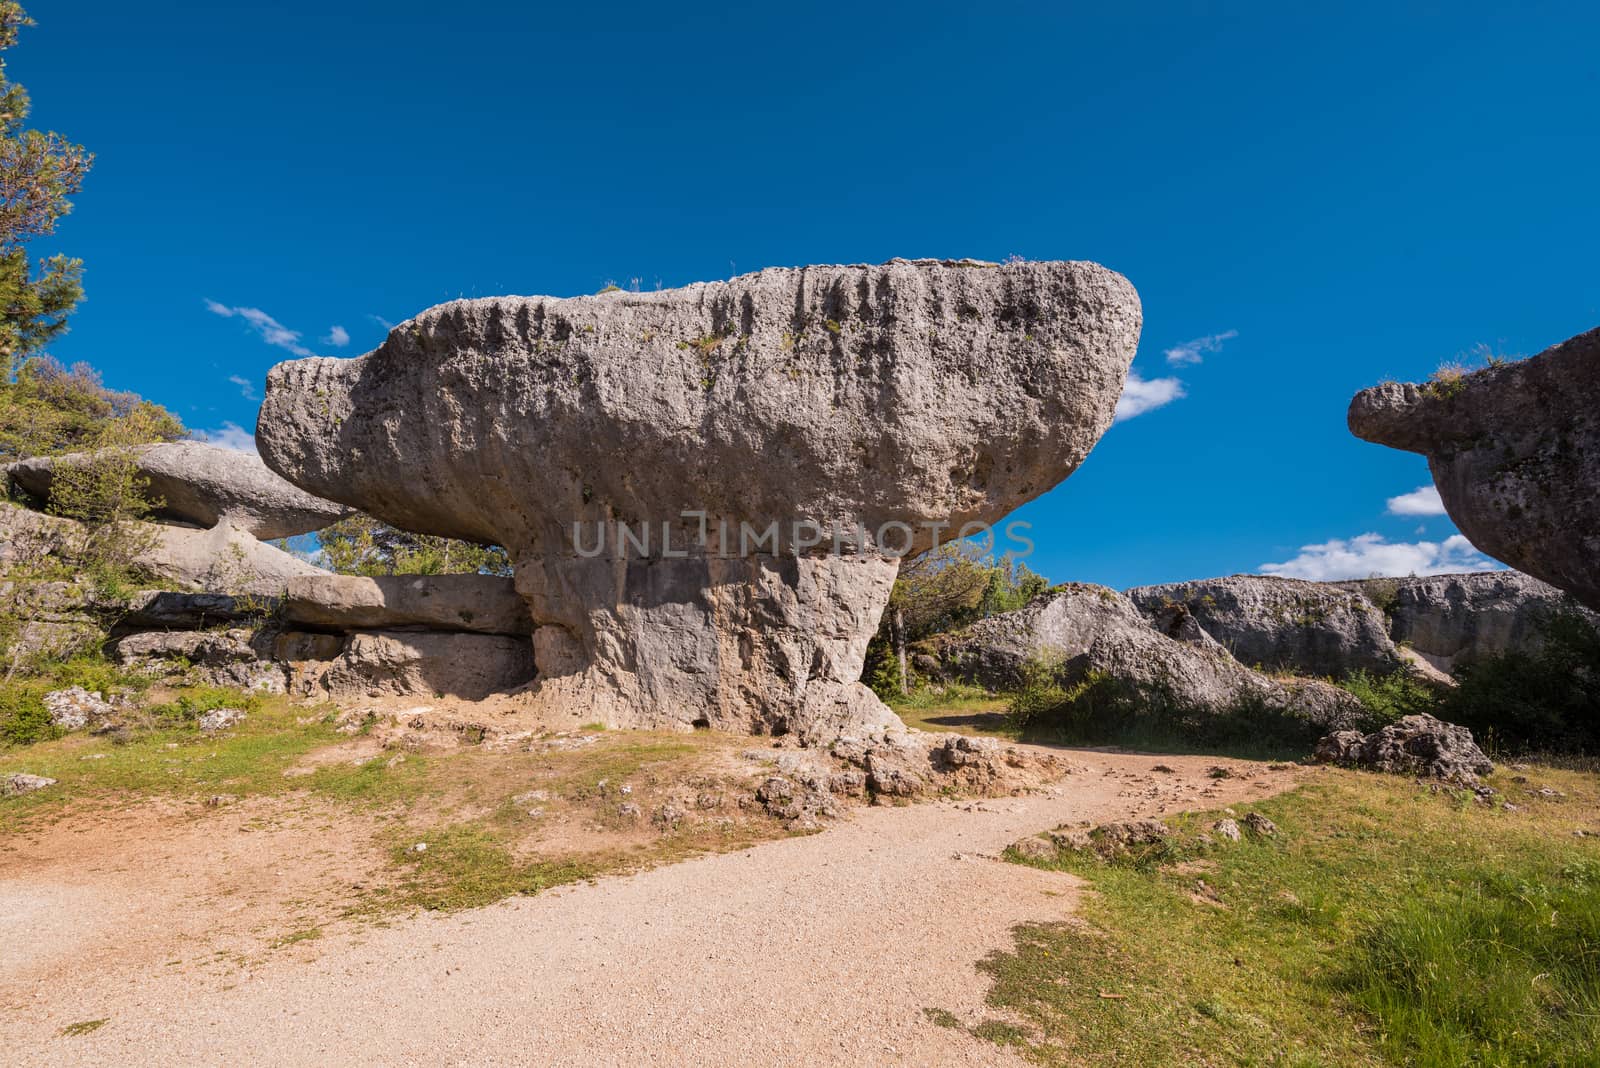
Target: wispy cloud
(1194, 351)
(271, 331)
(247, 388)
(338, 337)
(1368, 554)
(381, 321)
(1424, 500)
(1141, 395)
(230, 436)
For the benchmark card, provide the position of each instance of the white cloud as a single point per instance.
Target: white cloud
(381, 321)
(271, 331)
(1424, 500)
(1194, 351)
(1368, 554)
(338, 337)
(230, 436)
(1140, 396)
(247, 388)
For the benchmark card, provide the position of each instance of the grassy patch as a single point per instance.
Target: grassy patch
(1384, 923)
(954, 707)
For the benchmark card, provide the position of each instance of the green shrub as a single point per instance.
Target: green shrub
(1388, 697)
(1545, 700)
(23, 718)
(189, 707)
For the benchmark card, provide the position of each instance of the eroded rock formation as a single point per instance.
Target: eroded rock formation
(1309, 628)
(1077, 629)
(792, 404)
(1515, 452)
(204, 485)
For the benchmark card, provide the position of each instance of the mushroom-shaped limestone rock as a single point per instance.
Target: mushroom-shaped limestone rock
(704, 489)
(1515, 452)
(204, 485)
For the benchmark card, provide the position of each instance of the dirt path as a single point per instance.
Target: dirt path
(816, 950)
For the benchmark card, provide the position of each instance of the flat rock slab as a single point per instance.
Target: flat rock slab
(483, 604)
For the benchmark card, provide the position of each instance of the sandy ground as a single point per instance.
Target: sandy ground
(817, 950)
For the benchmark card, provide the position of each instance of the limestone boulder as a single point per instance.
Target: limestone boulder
(1454, 619)
(1280, 624)
(1078, 629)
(1413, 745)
(733, 428)
(483, 604)
(204, 485)
(1515, 452)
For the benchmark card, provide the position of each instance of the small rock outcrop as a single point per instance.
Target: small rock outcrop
(21, 782)
(669, 470)
(1082, 629)
(1281, 624)
(204, 485)
(1413, 745)
(76, 709)
(1515, 452)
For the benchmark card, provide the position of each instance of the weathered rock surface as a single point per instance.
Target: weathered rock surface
(222, 560)
(1515, 452)
(1453, 619)
(816, 398)
(76, 709)
(1413, 745)
(470, 666)
(206, 485)
(484, 604)
(1281, 624)
(1081, 628)
(21, 782)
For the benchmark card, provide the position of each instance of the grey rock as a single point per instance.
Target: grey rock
(1515, 452)
(1122, 835)
(76, 709)
(223, 559)
(203, 484)
(1227, 828)
(482, 604)
(20, 782)
(1259, 825)
(1413, 745)
(220, 719)
(1455, 619)
(470, 666)
(239, 657)
(177, 610)
(1033, 848)
(912, 392)
(1281, 624)
(1078, 629)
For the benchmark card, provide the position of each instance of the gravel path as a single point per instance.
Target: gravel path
(817, 950)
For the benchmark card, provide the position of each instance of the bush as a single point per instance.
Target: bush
(1389, 697)
(1545, 700)
(1096, 709)
(23, 718)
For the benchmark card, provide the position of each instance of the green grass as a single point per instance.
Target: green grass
(954, 707)
(83, 1027)
(1384, 923)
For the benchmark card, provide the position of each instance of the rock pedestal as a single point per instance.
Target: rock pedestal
(668, 470)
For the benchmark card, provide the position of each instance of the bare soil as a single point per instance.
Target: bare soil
(213, 937)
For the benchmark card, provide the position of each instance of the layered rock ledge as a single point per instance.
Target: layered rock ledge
(889, 402)
(204, 485)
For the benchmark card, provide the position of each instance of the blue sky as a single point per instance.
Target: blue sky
(1307, 202)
